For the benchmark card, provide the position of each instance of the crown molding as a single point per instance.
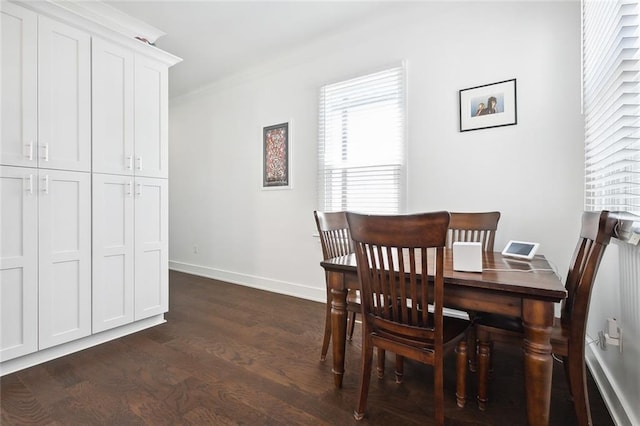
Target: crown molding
(103, 20)
(104, 14)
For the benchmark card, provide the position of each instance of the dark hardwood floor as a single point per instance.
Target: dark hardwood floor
(234, 355)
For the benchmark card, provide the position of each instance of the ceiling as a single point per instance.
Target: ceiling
(216, 39)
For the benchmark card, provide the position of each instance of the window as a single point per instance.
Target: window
(361, 147)
(611, 102)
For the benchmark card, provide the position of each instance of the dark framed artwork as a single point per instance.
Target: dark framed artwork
(275, 156)
(489, 105)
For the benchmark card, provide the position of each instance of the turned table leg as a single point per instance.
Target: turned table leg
(538, 363)
(338, 324)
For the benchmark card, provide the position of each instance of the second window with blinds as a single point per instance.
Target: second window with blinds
(361, 147)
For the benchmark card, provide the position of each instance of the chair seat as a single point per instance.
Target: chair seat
(353, 301)
(502, 322)
(453, 329)
(510, 326)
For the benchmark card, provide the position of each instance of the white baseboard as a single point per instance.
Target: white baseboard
(261, 283)
(48, 354)
(290, 289)
(619, 408)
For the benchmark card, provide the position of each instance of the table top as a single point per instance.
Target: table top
(523, 278)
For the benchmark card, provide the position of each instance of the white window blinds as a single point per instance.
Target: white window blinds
(611, 96)
(361, 147)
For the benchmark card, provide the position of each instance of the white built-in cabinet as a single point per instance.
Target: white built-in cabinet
(130, 189)
(64, 97)
(83, 184)
(45, 287)
(18, 262)
(46, 92)
(45, 255)
(112, 108)
(19, 86)
(129, 87)
(151, 246)
(113, 251)
(130, 249)
(64, 256)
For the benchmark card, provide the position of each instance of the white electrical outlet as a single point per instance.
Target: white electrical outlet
(612, 336)
(195, 249)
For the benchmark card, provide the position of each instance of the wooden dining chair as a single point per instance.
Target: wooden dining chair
(477, 227)
(391, 253)
(336, 241)
(568, 332)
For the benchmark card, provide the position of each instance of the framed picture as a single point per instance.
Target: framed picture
(275, 156)
(490, 105)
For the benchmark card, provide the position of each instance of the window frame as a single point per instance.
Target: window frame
(346, 101)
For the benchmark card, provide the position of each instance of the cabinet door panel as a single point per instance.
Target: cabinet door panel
(151, 117)
(112, 108)
(64, 97)
(18, 262)
(64, 256)
(152, 259)
(113, 251)
(19, 76)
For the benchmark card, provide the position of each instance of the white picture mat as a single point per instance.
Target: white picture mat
(507, 117)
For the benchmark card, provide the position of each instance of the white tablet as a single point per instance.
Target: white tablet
(520, 249)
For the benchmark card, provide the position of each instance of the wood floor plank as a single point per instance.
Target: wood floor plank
(19, 406)
(231, 355)
(42, 386)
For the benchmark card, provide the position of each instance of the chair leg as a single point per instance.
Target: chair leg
(565, 365)
(352, 322)
(381, 360)
(491, 359)
(399, 368)
(365, 377)
(327, 330)
(471, 352)
(438, 391)
(484, 360)
(578, 386)
(461, 373)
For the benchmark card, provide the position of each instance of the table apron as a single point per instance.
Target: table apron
(455, 296)
(480, 300)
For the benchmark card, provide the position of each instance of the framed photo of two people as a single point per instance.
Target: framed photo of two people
(490, 105)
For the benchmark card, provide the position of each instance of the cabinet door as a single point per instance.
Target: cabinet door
(64, 97)
(113, 251)
(112, 108)
(151, 118)
(64, 256)
(152, 248)
(19, 76)
(18, 262)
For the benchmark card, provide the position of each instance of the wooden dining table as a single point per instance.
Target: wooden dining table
(525, 289)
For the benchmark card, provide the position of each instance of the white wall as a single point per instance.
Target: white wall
(531, 172)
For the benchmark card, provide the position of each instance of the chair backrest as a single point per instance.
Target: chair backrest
(334, 234)
(595, 234)
(391, 253)
(473, 227)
